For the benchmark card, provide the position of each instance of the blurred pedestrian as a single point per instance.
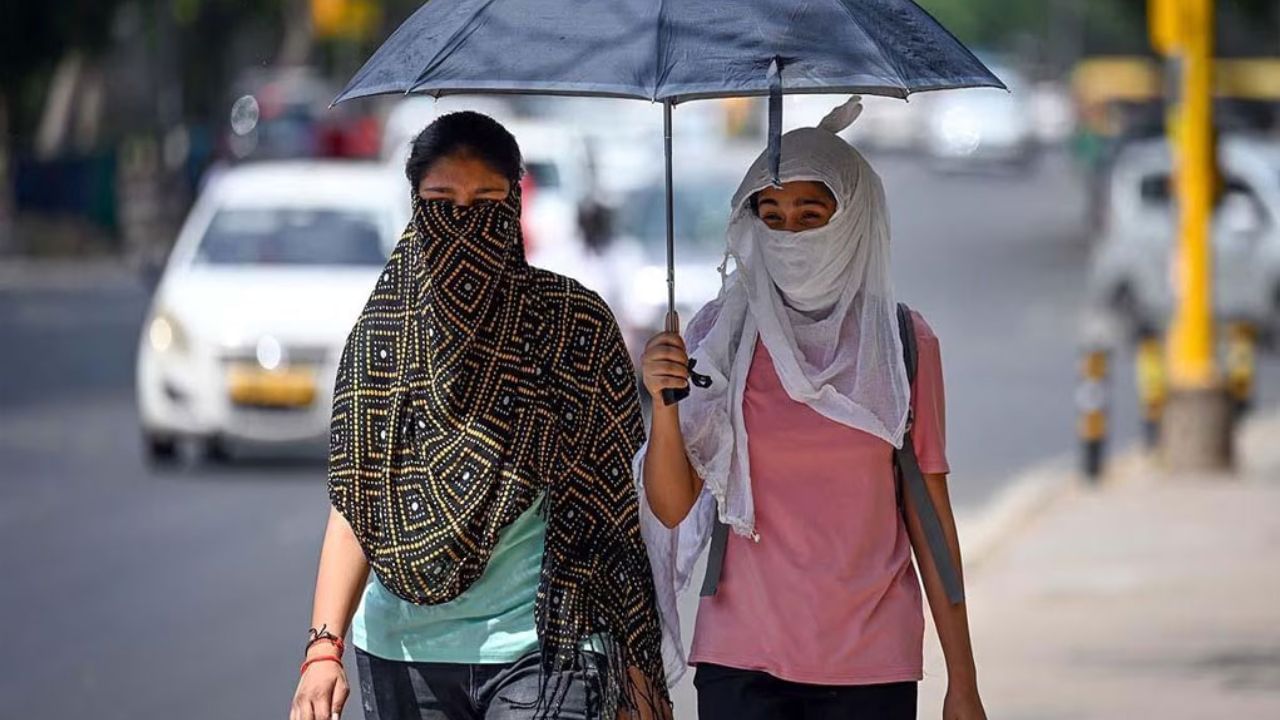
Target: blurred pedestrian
(485, 418)
(812, 607)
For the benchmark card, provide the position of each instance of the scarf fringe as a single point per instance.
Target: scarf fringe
(608, 684)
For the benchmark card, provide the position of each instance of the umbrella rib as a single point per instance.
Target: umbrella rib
(659, 69)
(906, 90)
(446, 46)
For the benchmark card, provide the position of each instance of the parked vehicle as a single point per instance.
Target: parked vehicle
(1133, 262)
(270, 270)
(981, 127)
(639, 253)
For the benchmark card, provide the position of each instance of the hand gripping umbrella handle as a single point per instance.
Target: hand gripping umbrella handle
(671, 396)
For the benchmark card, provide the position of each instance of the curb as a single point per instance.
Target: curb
(1035, 490)
(1032, 491)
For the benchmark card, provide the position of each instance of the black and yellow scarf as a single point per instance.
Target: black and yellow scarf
(471, 385)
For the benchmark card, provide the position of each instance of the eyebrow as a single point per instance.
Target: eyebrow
(766, 201)
(815, 201)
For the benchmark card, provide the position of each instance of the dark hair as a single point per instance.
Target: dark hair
(464, 132)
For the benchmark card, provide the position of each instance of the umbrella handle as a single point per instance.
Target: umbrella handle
(671, 396)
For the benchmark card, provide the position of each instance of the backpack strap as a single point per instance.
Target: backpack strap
(715, 557)
(910, 476)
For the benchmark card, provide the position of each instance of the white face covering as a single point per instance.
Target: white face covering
(822, 304)
(808, 267)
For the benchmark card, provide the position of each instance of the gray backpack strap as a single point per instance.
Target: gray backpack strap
(910, 476)
(715, 557)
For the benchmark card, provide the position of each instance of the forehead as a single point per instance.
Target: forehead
(798, 190)
(462, 167)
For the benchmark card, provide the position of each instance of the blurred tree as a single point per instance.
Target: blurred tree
(34, 36)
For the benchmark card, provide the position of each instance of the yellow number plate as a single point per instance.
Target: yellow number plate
(249, 385)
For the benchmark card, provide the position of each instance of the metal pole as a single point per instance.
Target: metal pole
(671, 396)
(671, 222)
(1191, 340)
(1196, 426)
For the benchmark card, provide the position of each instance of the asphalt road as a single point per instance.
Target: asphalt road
(185, 594)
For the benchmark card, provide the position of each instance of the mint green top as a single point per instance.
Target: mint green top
(492, 622)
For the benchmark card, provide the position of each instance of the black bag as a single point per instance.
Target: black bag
(909, 479)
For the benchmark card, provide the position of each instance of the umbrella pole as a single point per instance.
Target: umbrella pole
(671, 226)
(670, 396)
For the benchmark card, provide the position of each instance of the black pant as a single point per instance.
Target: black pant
(726, 693)
(394, 690)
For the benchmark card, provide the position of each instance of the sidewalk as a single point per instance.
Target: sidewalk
(1147, 597)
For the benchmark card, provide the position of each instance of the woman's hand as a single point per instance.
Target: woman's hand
(963, 703)
(665, 364)
(323, 690)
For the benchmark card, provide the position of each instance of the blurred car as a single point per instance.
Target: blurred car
(410, 115)
(280, 113)
(1132, 265)
(559, 193)
(980, 127)
(701, 213)
(268, 274)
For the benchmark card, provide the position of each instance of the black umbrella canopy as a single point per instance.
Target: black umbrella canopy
(669, 50)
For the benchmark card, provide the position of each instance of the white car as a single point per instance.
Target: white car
(1133, 261)
(268, 274)
(980, 126)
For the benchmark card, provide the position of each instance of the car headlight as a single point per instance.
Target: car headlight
(165, 334)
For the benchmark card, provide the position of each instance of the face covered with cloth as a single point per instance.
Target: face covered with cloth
(821, 302)
(471, 385)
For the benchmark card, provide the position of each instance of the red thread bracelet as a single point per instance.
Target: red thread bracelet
(322, 658)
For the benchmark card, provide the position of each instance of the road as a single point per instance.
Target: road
(132, 594)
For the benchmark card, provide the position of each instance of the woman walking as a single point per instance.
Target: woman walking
(812, 605)
(485, 417)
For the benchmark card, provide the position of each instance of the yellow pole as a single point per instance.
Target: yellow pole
(1196, 424)
(1191, 341)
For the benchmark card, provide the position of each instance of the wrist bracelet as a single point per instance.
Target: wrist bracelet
(331, 639)
(322, 658)
(323, 634)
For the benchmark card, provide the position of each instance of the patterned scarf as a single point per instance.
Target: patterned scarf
(471, 385)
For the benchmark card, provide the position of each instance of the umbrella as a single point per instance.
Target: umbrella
(671, 52)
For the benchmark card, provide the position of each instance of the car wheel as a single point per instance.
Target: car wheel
(215, 451)
(1127, 310)
(160, 449)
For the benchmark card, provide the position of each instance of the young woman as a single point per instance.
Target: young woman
(817, 611)
(484, 421)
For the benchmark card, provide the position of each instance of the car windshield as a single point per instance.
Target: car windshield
(293, 236)
(701, 213)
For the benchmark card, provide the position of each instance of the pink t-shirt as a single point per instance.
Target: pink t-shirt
(829, 594)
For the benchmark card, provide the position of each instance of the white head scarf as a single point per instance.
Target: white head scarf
(821, 302)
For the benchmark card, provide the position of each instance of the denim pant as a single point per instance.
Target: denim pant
(397, 690)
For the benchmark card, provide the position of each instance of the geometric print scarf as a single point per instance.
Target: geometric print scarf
(471, 385)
